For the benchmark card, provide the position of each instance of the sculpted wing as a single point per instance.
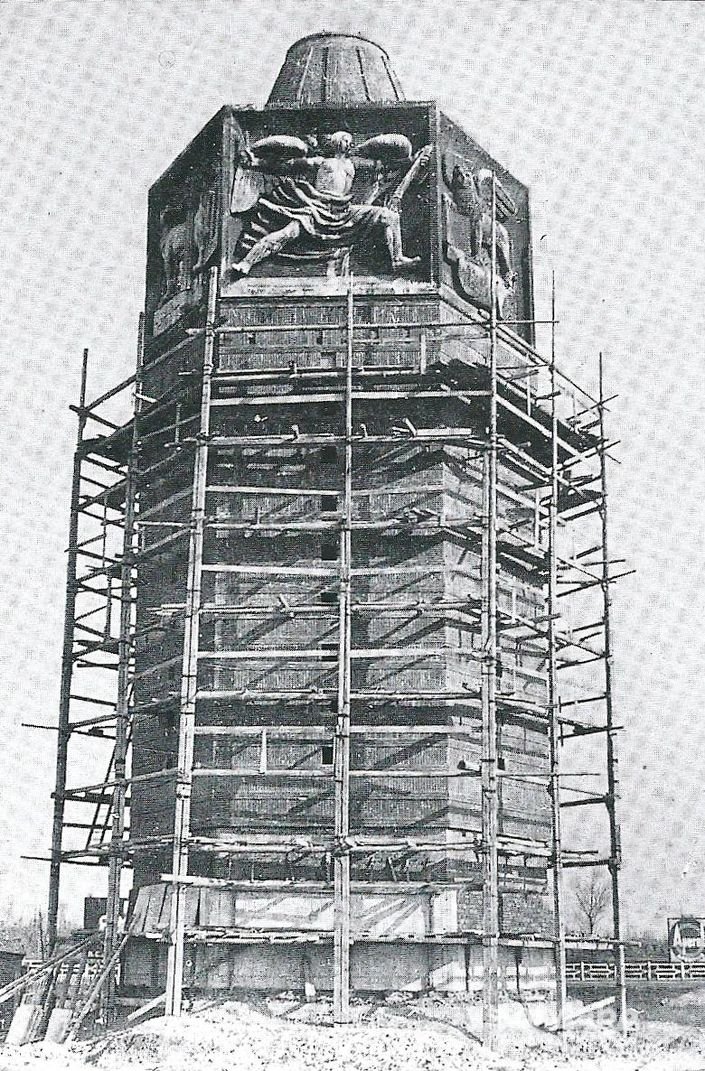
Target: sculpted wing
(505, 203)
(248, 185)
(277, 147)
(389, 148)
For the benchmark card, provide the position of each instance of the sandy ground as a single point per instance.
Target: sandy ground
(399, 1034)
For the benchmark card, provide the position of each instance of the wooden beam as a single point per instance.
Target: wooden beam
(67, 666)
(282, 731)
(189, 673)
(612, 797)
(490, 875)
(341, 757)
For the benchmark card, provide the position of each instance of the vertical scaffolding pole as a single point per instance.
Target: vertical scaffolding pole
(490, 875)
(189, 672)
(341, 864)
(122, 713)
(553, 697)
(612, 756)
(66, 674)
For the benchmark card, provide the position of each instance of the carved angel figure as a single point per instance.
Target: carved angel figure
(311, 197)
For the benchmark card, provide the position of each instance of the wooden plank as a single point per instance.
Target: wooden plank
(318, 654)
(25, 1024)
(58, 1026)
(336, 396)
(270, 570)
(597, 1005)
(267, 885)
(315, 732)
(156, 897)
(139, 915)
(191, 903)
(391, 774)
(165, 912)
(151, 1005)
(98, 985)
(297, 695)
(217, 907)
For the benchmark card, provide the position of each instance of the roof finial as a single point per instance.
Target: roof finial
(334, 69)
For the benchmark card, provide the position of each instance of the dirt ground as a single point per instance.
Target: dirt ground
(402, 1033)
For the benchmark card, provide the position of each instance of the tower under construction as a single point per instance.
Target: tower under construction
(339, 584)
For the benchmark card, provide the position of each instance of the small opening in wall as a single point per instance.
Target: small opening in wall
(329, 503)
(329, 598)
(329, 552)
(330, 649)
(327, 755)
(329, 454)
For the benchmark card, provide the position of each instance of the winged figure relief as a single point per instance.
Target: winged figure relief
(300, 195)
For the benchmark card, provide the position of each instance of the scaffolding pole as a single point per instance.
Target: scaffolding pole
(341, 863)
(67, 663)
(553, 695)
(490, 875)
(612, 798)
(122, 708)
(189, 677)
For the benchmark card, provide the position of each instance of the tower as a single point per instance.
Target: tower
(341, 490)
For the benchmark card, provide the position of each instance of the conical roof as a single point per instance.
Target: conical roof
(335, 68)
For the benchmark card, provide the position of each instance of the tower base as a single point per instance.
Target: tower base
(281, 940)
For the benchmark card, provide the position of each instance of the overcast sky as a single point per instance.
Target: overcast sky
(597, 107)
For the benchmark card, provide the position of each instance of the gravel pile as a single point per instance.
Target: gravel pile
(281, 1038)
(403, 1033)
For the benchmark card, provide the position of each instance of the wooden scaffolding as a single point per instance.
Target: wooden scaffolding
(551, 432)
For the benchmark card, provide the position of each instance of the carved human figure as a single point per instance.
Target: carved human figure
(313, 196)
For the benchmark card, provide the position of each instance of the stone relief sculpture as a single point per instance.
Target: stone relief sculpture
(309, 199)
(471, 200)
(187, 242)
(205, 230)
(175, 248)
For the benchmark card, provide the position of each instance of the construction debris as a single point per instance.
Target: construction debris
(404, 1033)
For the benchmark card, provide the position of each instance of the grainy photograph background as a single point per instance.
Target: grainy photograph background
(597, 107)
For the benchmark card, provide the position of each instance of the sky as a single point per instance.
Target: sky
(597, 107)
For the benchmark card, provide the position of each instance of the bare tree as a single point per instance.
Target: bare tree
(592, 896)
